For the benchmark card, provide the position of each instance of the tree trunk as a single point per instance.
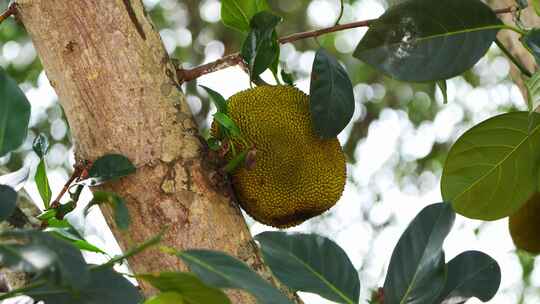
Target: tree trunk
(117, 86)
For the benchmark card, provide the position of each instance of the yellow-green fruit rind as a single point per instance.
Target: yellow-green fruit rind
(297, 175)
(525, 225)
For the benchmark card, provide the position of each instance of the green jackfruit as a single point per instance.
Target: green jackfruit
(525, 225)
(296, 175)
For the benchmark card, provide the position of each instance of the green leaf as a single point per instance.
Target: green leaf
(287, 78)
(41, 145)
(536, 5)
(29, 258)
(223, 271)
(491, 170)
(219, 101)
(442, 85)
(533, 91)
(311, 263)
(213, 144)
(237, 162)
(523, 4)
(105, 287)
(261, 48)
(68, 261)
(531, 40)
(14, 114)
(331, 97)
(417, 273)
(121, 213)
(8, 202)
(42, 183)
(237, 14)
(15, 179)
(191, 289)
(426, 40)
(167, 298)
(109, 167)
(471, 274)
(66, 234)
(227, 123)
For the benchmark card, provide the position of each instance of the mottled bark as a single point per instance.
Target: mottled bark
(117, 86)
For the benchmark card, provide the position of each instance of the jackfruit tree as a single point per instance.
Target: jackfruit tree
(176, 186)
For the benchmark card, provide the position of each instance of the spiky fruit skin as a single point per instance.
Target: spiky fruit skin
(525, 225)
(296, 175)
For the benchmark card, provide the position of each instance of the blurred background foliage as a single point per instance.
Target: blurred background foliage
(396, 143)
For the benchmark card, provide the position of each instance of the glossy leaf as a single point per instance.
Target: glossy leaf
(166, 298)
(219, 101)
(104, 287)
(8, 202)
(29, 258)
(121, 213)
(287, 78)
(68, 261)
(191, 288)
(533, 91)
(15, 179)
(227, 123)
(223, 271)
(471, 274)
(261, 48)
(40, 145)
(42, 183)
(311, 263)
(417, 273)
(331, 97)
(237, 14)
(426, 40)
(491, 170)
(532, 41)
(14, 114)
(237, 162)
(109, 167)
(75, 240)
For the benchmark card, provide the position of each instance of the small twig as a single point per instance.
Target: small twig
(341, 9)
(225, 62)
(506, 10)
(10, 11)
(78, 170)
(185, 75)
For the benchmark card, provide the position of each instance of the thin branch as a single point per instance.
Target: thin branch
(514, 60)
(185, 75)
(10, 11)
(506, 10)
(79, 169)
(222, 63)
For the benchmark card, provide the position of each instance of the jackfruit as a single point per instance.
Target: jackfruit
(524, 225)
(296, 174)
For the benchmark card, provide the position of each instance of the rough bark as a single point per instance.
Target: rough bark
(117, 86)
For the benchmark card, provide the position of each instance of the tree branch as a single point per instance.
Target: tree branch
(11, 10)
(185, 75)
